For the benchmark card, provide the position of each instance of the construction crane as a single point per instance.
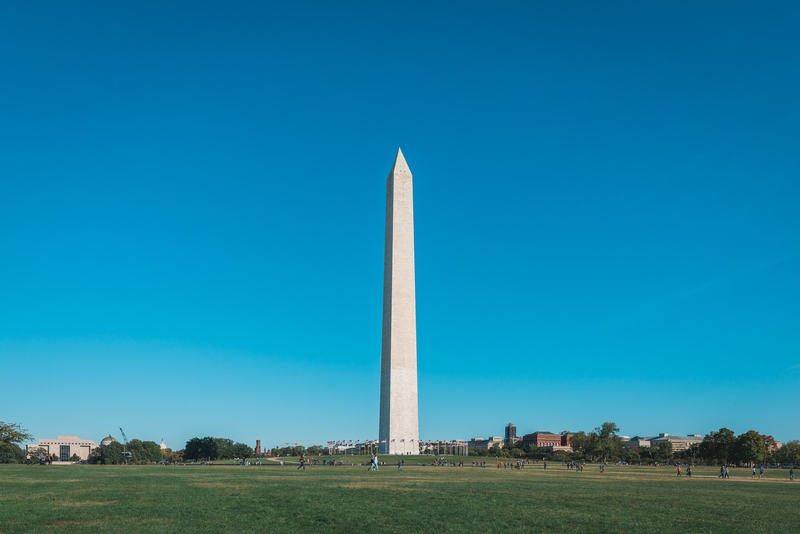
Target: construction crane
(126, 455)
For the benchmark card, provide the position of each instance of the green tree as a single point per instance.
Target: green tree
(770, 449)
(632, 455)
(316, 450)
(790, 452)
(718, 446)
(242, 450)
(706, 448)
(749, 447)
(107, 454)
(723, 444)
(201, 449)
(224, 448)
(13, 433)
(144, 452)
(294, 450)
(11, 453)
(508, 448)
(691, 453)
(663, 453)
(582, 444)
(561, 456)
(609, 444)
(647, 453)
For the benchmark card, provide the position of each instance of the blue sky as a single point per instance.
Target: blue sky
(191, 216)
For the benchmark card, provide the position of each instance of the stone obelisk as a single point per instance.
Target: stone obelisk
(399, 422)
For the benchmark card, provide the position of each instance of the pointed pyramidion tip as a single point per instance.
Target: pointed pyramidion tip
(400, 163)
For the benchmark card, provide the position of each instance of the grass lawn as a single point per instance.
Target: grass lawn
(271, 498)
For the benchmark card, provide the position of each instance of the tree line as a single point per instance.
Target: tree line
(297, 450)
(142, 453)
(604, 444)
(211, 449)
(722, 446)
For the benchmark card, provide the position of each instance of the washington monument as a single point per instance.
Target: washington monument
(399, 422)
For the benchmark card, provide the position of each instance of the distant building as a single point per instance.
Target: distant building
(548, 440)
(679, 443)
(637, 441)
(108, 440)
(162, 446)
(64, 447)
(480, 443)
(257, 450)
(511, 433)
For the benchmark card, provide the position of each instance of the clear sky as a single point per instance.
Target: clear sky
(192, 214)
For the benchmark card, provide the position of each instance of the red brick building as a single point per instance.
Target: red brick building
(548, 440)
(542, 439)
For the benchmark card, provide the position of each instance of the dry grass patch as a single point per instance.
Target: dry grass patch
(81, 523)
(48, 481)
(380, 484)
(86, 503)
(226, 485)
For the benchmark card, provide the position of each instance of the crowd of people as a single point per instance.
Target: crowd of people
(44, 459)
(375, 462)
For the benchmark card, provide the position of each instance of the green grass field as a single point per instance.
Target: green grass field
(419, 499)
